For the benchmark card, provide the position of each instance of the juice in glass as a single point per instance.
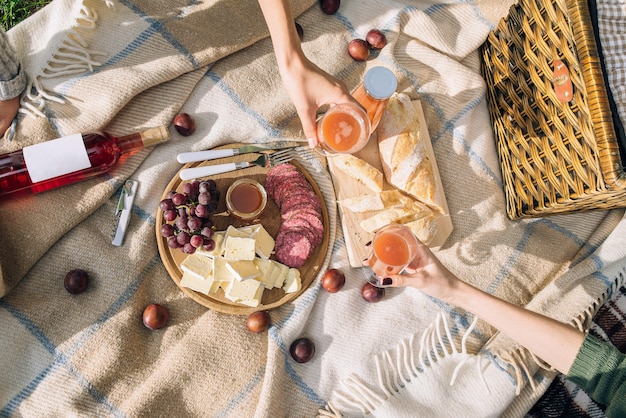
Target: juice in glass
(345, 128)
(393, 248)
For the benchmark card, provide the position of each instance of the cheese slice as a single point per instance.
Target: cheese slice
(239, 248)
(246, 291)
(243, 269)
(204, 286)
(197, 265)
(280, 275)
(256, 300)
(221, 272)
(264, 243)
(266, 267)
(293, 282)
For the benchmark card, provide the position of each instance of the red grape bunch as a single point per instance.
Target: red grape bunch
(187, 214)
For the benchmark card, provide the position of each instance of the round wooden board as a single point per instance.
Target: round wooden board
(270, 219)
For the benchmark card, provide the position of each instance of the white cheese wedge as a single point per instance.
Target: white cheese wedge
(374, 201)
(246, 292)
(239, 248)
(221, 272)
(293, 282)
(197, 266)
(256, 300)
(205, 286)
(264, 242)
(243, 269)
(231, 231)
(280, 275)
(266, 267)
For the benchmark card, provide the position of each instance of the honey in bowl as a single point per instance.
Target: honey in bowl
(246, 199)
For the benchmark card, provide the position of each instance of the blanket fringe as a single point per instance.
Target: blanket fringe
(523, 361)
(73, 56)
(396, 368)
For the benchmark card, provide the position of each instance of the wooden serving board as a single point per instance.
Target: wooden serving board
(345, 186)
(270, 219)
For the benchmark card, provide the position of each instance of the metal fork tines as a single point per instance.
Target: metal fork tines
(264, 160)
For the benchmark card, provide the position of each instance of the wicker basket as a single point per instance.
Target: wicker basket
(555, 157)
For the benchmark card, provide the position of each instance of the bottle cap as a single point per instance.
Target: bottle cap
(380, 83)
(154, 136)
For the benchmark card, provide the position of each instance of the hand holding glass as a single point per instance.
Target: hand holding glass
(393, 248)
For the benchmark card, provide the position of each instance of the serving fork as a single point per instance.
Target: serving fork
(264, 161)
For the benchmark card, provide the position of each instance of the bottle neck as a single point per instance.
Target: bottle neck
(142, 139)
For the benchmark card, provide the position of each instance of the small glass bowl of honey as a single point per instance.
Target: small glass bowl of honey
(246, 199)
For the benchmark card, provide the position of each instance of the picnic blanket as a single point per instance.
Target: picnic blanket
(124, 65)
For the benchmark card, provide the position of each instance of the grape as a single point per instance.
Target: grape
(202, 211)
(183, 237)
(194, 223)
(181, 222)
(302, 350)
(204, 198)
(155, 316)
(212, 184)
(167, 230)
(166, 204)
(170, 215)
(76, 281)
(203, 187)
(172, 242)
(215, 195)
(196, 240)
(179, 199)
(209, 244)
(207, 231)
(189, 249)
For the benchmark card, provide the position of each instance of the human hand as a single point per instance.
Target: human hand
(8, 110)
(309, 88)
(427, 273)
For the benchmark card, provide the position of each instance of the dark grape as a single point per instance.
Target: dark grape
(302, 350)
(166, 204)
(194, 223)
(172, 242)
(371, 293)
(189, 249)
(333, 280)
(202, 211)
(204, 198)
(167, 230)
(209, 244)
(215, 195)
(329, 7)
(207, 231)
(183, 237)
(181, 222)
(258, 321)
(359, 49)
(197, 241)
(376, 39)
(170, 215)
(179, 199)
(212, 184)
(203, 187)
(76, 281)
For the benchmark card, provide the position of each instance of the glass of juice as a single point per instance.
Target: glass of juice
(344, 128)
(394, 246)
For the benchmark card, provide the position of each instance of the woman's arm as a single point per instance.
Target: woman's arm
(308, 86)
(554, 342)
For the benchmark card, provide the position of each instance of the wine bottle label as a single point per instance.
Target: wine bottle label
(55, 158)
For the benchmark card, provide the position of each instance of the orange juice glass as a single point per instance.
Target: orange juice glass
(394, 246)
(344, 128)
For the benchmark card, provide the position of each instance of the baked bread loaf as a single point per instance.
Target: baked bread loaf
(359, 170)
(374, 201)
(407, 161)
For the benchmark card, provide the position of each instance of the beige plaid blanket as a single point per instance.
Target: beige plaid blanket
(129, 64)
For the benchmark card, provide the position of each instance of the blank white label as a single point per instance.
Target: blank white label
(55, 158)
